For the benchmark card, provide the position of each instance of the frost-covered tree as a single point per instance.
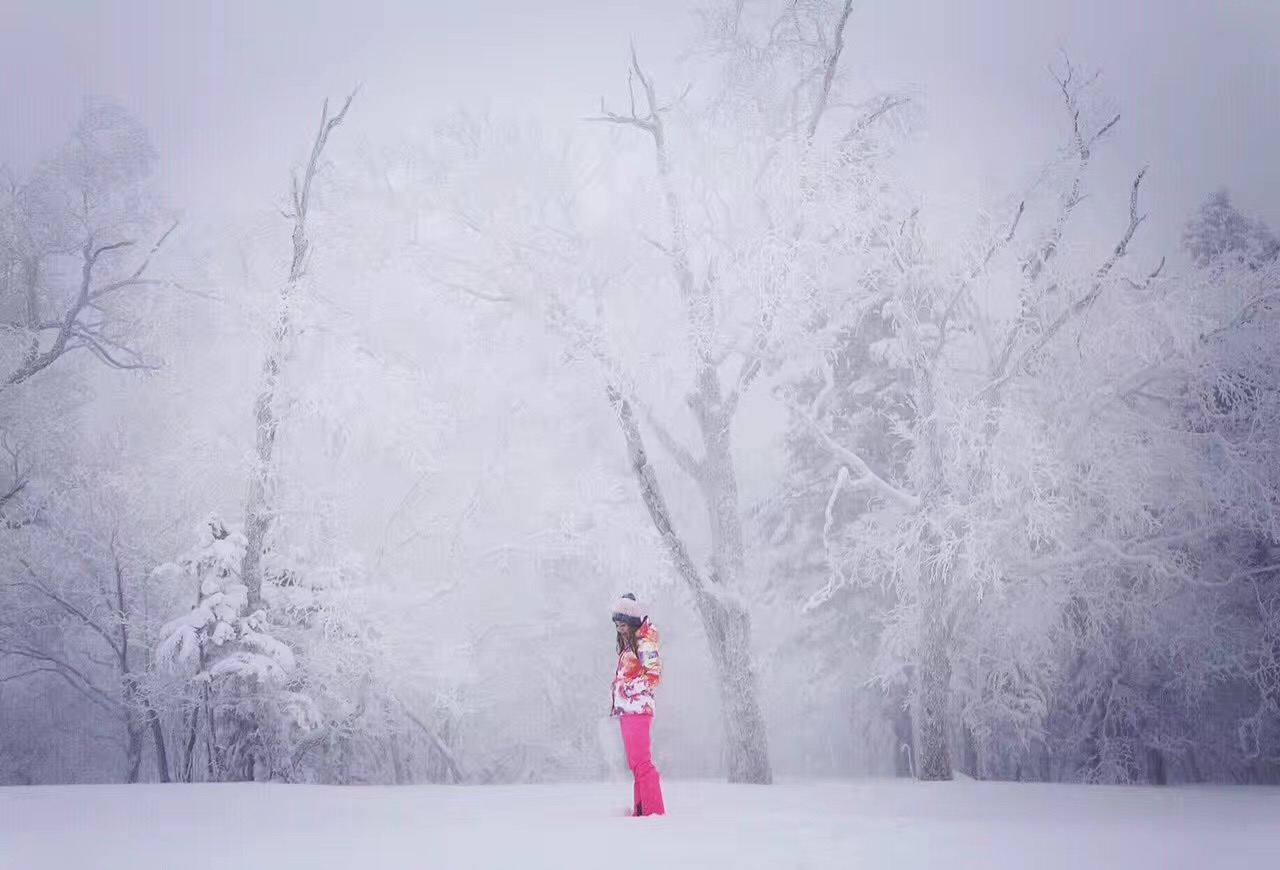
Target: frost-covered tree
(1217, 231)
(258, 513)
(967, 496)
(76, 617)
(232, 662)
(752, 189)
(78, 237)
(1167, 592)
(1219, 394)
(75, 237)
(1072, 531)
(798, 530)
(249, 696)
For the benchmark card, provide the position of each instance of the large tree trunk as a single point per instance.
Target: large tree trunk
(728, 629)
(1157, 768)
(726, 619)
(139, 717)
(187, 764)
(257, 516)
(971, 764)
(932, 689)
(136, 704)
(933, 680)
(934, 760)
(1192, 766)
(157, 736)
(397, 760)
(133, 750)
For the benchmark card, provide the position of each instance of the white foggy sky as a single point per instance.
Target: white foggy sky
(231, 90)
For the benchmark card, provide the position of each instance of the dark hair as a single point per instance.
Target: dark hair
(634, 622)
(628, 641)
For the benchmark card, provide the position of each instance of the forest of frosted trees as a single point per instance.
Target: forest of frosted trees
(345, 495)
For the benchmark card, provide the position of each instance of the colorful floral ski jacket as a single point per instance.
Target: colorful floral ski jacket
(638, 673)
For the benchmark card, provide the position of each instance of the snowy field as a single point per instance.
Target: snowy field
(887, 825)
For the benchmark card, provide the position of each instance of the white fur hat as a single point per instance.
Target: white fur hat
(628, 607)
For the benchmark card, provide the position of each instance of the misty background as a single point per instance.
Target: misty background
(999, 493)
(223, 92)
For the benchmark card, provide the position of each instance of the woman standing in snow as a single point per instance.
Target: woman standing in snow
(639, 669)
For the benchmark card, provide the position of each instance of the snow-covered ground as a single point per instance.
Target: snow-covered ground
(886, 825)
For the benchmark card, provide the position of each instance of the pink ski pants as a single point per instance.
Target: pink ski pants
(635, 740)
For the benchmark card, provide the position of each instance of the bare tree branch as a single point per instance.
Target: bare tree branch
(651, 492)
(470, 290)
(828, 525)
(121, 610)
(135, 278)
(29, 673)
(685, 459)
(13, 492)
(995, 247)
(1146, 282)
(1034, 266)
(73, 675)
(887, 104)
(98, 252)
(38, 585)
(829, 73)
(1084, 151)
(1080, 305)
(19, 476)
(302, 195)
(697, 299)
(752, 365)
(70, 326)
(97, 344)
(1245, 315)
(865, 476)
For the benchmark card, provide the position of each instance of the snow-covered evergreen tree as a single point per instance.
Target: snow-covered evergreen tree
(236, 669)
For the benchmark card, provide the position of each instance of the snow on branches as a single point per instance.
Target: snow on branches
(217, 635)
